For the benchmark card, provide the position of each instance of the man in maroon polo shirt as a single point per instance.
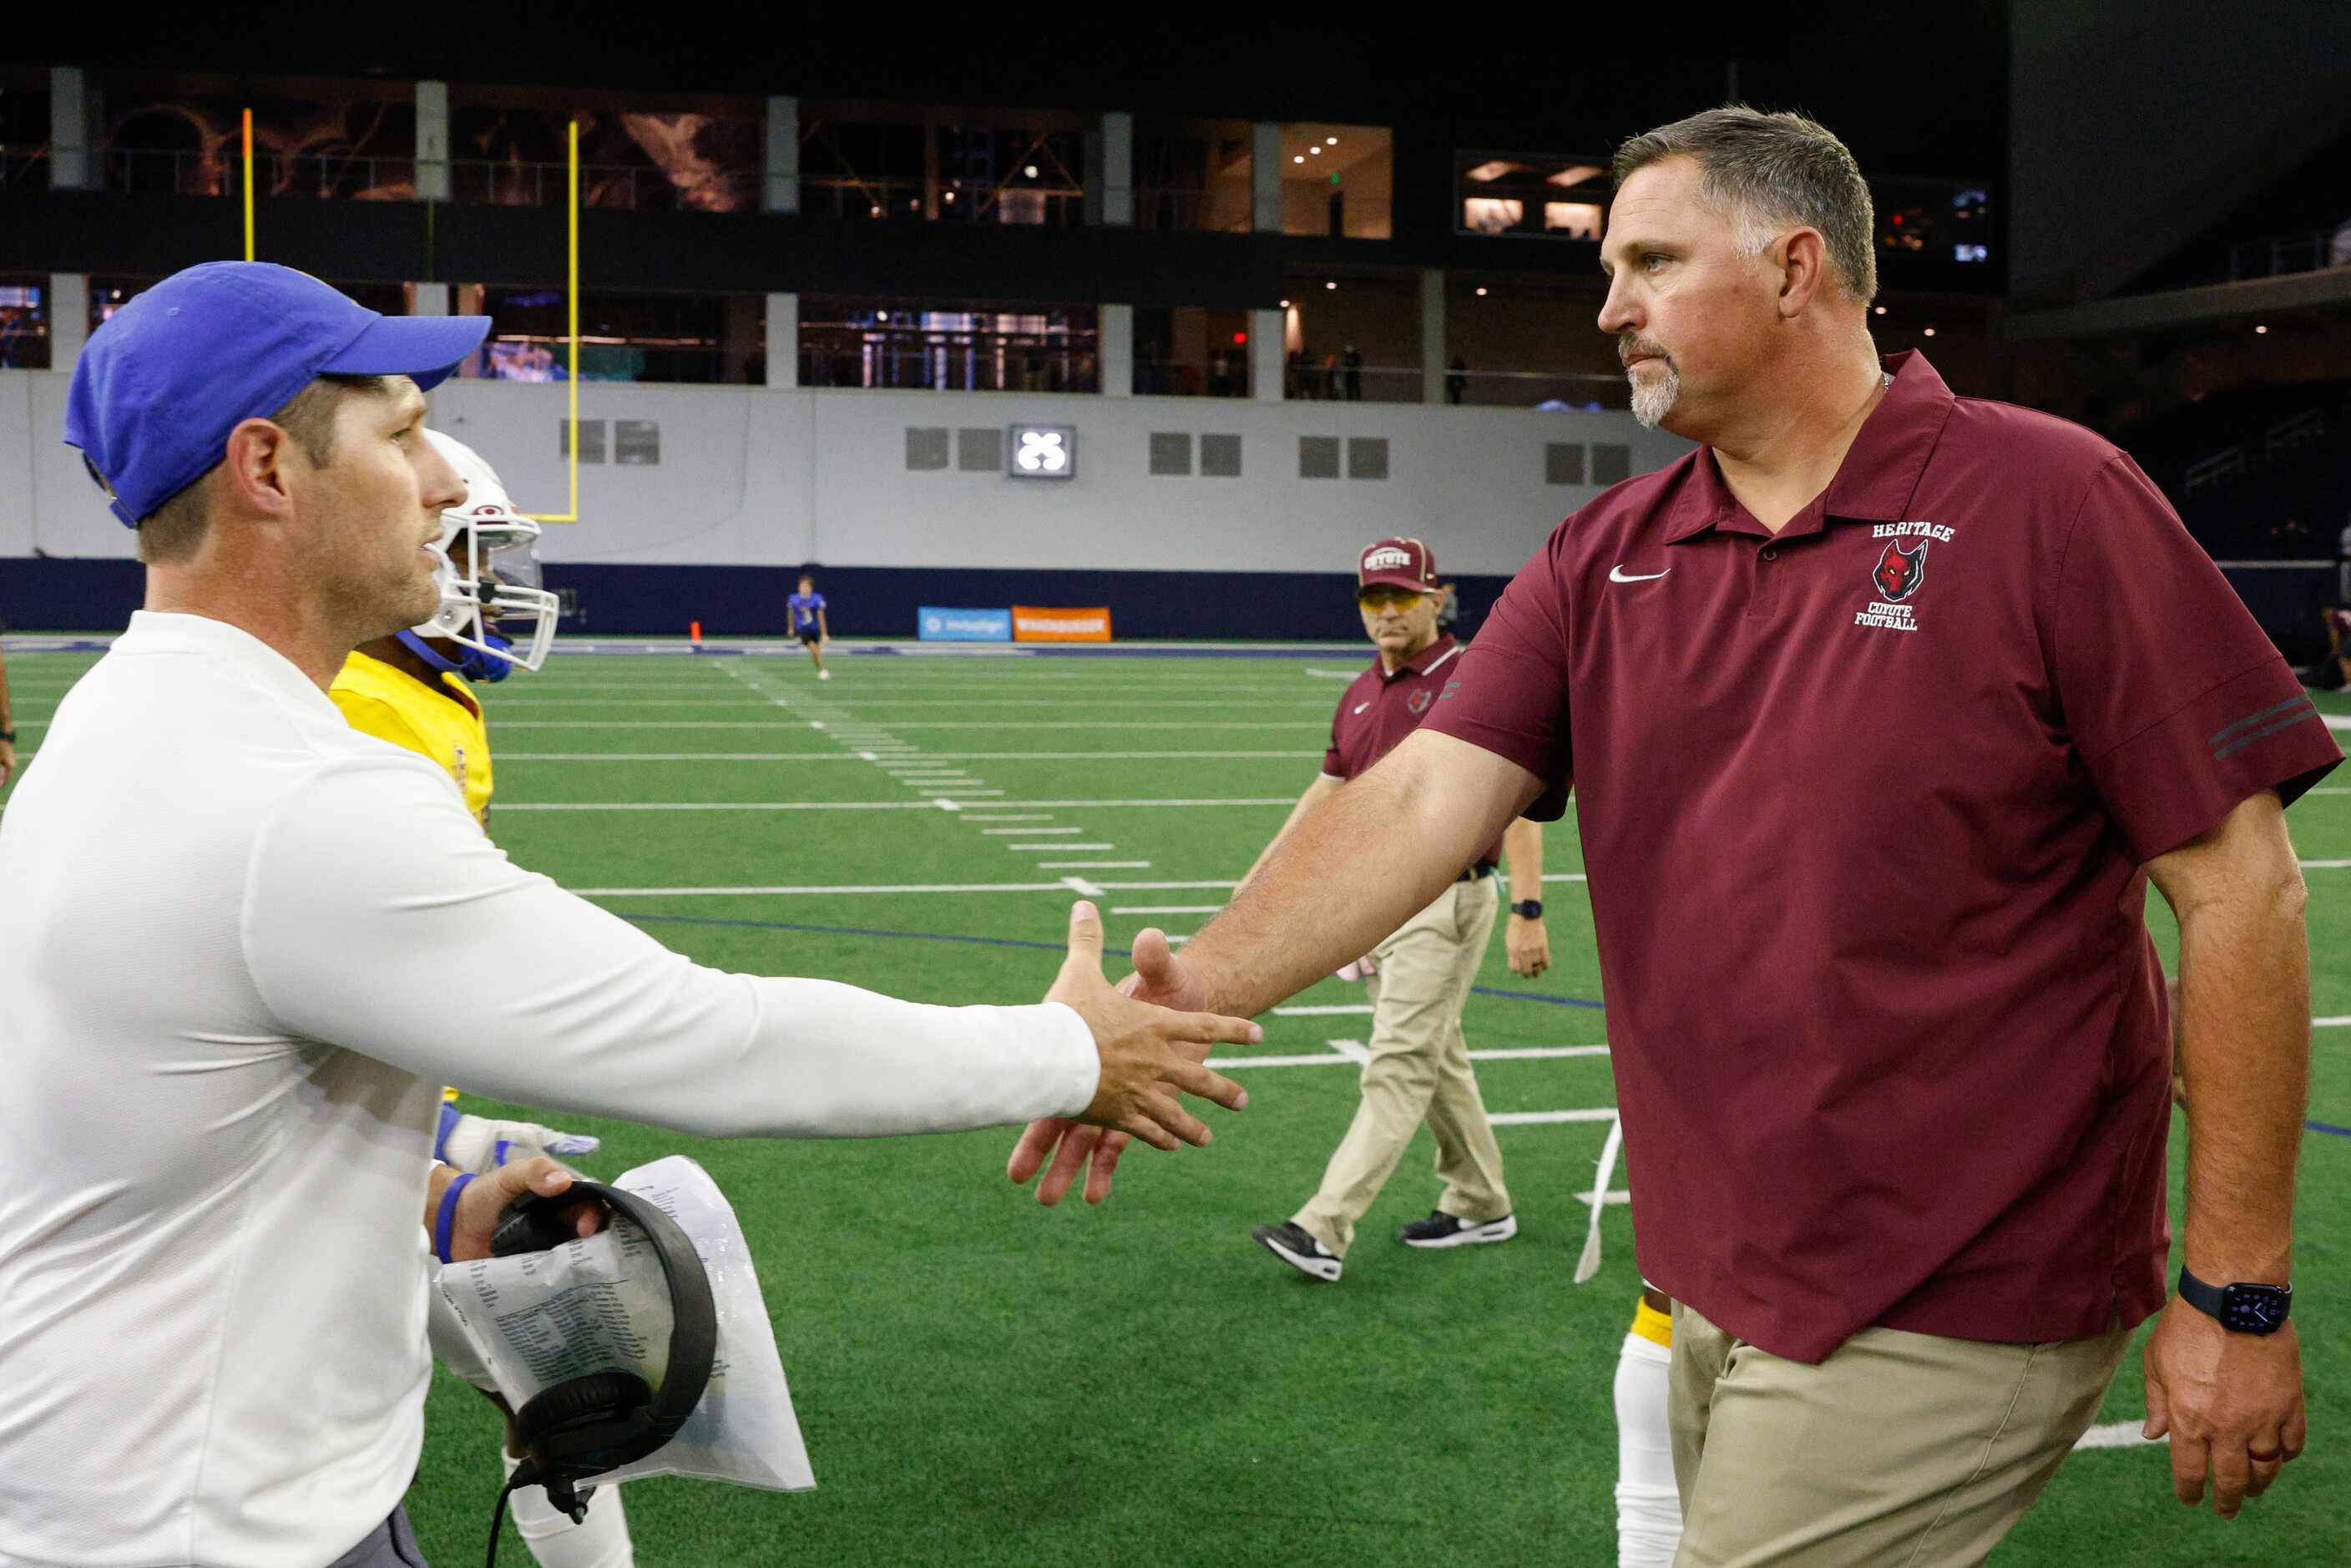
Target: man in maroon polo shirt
(1417, 1066)
(1883, 706)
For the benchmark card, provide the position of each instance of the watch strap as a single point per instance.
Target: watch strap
(1528, 909)
(2204, 1298)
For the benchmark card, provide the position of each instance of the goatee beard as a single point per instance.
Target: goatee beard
(1653, 396)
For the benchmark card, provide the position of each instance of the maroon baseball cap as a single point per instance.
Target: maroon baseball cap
(1399, 563)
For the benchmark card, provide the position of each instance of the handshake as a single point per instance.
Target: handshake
(1154, 1030)
(1150, 1040)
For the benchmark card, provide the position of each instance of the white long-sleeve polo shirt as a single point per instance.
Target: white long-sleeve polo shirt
(235, 937)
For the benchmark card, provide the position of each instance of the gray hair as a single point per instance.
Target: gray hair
(1770, 172)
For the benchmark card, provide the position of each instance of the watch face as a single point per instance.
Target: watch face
(2254, 1309)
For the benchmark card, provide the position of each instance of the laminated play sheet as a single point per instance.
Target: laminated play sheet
(600, 1304)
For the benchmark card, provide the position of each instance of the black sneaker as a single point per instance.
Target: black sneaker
(1443, 1229)
(1290, 1243)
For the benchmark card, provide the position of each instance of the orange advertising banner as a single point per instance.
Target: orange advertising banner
(1034, 625)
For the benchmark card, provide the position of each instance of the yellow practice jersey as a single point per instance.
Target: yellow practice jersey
(444, 724)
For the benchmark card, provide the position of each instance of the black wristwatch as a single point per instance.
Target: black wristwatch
(9, 735)
(1528, 909)
(2239, 1309)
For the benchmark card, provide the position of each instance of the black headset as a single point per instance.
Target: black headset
(589, 1424)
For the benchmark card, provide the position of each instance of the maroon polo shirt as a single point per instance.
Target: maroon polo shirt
(1865, 809)
(1383, 707)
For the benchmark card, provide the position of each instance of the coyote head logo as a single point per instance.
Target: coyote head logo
(1900, 571)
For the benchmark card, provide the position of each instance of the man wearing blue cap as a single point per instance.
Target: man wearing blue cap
(215, 1155)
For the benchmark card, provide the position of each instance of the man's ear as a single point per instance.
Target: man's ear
(1802, 257)
(256, 476)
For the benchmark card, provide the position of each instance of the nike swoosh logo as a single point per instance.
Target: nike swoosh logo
(1618, 574)
(1362, 706)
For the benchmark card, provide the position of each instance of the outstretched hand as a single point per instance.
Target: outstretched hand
(1159, 980)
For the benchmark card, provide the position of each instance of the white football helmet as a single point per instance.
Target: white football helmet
(488, 574)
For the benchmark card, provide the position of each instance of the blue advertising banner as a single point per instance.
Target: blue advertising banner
(934, 624)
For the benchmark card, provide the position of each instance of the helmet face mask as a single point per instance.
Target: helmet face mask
(492, 603)
(489, 579)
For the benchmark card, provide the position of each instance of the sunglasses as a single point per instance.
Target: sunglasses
(1383, 597)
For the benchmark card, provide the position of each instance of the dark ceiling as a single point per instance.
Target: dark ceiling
(1913, 88)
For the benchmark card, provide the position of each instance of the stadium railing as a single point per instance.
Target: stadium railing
(2275, 257)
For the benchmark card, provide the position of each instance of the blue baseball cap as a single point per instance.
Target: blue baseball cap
(159, 386)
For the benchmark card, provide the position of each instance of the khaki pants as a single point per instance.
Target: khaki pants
(1419, 1071)
(1901, 1448)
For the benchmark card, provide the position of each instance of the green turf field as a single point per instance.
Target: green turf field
(982, 1381)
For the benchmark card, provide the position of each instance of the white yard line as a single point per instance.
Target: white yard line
(877, 806)
(762, 890)
(806, 890)
(1025, 832)
(887, 758)
(1537, 1053)
(1058, 849)
(1014, 816)
(504, 758)
(728, 696)
(1504, 1054)
(1160, 725)
(543, 685)
(2116, 1435)
(1073, 700)
(1092, 865)
(506, 806)
(866, 692)
(912, 724)
(1081, 884)
(1545, 1118)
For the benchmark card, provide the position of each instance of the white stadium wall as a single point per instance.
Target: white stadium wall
(748, 477)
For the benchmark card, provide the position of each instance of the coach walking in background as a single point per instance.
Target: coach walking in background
(225, 963)
(1883, 706)
(1419, 976)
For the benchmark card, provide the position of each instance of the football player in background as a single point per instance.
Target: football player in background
(806, 610)
(414, 690)
(1648, 1504)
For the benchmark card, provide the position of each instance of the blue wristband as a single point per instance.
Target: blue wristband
(444, 1220)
